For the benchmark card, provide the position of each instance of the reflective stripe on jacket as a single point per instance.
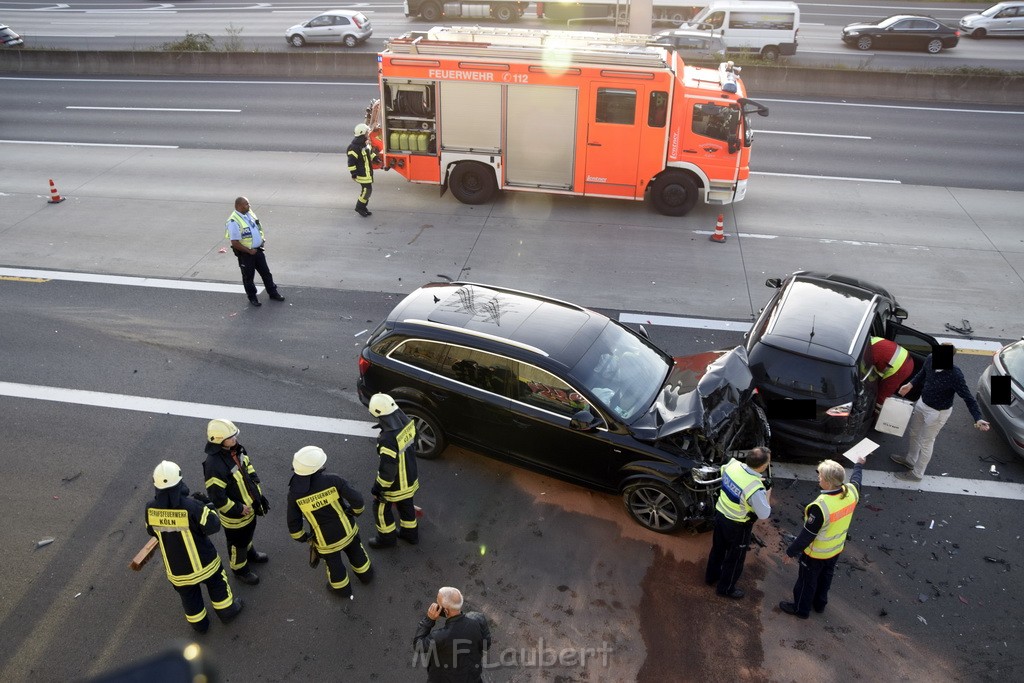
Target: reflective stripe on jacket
(244, 228)
(189, 556)
(738, 485)
(899, 357)
(397, 471)
(837, 512)
(226, 487)
(360, 160)
(328, 504)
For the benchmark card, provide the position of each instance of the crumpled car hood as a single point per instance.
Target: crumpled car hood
(702, 391)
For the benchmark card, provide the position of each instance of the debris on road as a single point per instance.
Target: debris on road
(68, 480)
(922, 620)
(921, 597)
(44, 542)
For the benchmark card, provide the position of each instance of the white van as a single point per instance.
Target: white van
(767, 28)
(1003, 19)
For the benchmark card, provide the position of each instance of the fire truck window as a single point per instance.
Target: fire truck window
(616, 106)
(715, 121)
(658, 109)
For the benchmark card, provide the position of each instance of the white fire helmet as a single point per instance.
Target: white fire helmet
(166, 475)
(362, 129)
(308, 460)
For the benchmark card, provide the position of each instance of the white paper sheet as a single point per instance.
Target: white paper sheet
(864, 448)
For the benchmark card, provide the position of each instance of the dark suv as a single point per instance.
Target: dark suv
(566, 391)
(812, 341)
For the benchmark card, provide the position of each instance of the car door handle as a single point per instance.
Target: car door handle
(594, 144)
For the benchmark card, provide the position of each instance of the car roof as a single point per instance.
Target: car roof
(342, 12)
(550, 327)
(821, 317)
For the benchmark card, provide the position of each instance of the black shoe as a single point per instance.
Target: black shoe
(377, 542)
(345, 592)
(365, 577)
(236, 608)
(276, 297)
(364, 212)
(257, 557)
(790, 608)
(201, 626)
(248, 577)
(819, 610)
(254, 301)
(735, 594)
(410, 537)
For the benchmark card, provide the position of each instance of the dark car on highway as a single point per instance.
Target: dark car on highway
(1007, 418)
(902, 32)
(566, 391)
(812, 341)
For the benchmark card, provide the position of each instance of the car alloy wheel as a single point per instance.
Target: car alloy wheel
(864, 43)
(297, 40)
(934, 46)
(654, 506)
(430, 439)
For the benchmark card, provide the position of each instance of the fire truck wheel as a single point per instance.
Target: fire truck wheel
(674, 194)
(430, 11)
(505, 13)
(472, 182)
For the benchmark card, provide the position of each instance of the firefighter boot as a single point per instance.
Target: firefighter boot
(228, 615)
(362, 210)
(382, 541)
(256, 556)
(410, 536)
(247, 576)
(365, 577)
(201, 626)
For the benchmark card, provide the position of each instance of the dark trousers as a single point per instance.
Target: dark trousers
(337, 576)
(812, 584)
(365, 190)
(192, 599)
(250, 264)
(239, 544)
(385, 518)
(728, 552)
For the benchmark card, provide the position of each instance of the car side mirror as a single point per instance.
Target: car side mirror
(774, 282)
(584, 421)
(900, 313)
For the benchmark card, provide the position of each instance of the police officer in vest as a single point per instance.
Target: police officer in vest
(183, 525)
(361, 157)
(396, 476)
(234, 489)
(246, 235)
(329, 505)
(742, 501)
(826, 522)
(893, 366)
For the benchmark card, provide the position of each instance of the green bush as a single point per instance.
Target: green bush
(192, 42)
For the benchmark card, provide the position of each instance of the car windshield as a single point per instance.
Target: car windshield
(622, 371)
(1013, 360)
(993, 10)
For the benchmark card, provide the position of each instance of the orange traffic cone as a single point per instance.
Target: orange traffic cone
(54, 197)
(719, 235)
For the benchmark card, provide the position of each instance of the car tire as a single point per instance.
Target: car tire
(350, 40)
(864, 43)
(654, 505)
(770, 53)
(472, 182)
(978, 33)
(297, 40)
(674, 194)
(430, 438)
(933, 46)
(506, 13)
(430, 11)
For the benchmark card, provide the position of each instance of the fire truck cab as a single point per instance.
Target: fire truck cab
(479, 110)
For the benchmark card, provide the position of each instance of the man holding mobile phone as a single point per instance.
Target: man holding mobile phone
(455, 651)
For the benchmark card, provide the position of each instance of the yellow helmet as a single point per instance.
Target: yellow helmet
(308, 460)
(166, 475)
(219, 430)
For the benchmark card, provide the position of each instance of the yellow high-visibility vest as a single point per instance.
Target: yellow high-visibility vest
(838, 512)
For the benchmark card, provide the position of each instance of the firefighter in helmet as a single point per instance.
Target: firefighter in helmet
(234, 488)
(396, 476)
(361, 158)
(329, 505)
(182, 525)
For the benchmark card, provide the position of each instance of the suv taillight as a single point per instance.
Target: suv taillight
(364, 365)
(840, 411)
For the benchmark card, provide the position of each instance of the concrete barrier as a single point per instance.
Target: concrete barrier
(760, 80)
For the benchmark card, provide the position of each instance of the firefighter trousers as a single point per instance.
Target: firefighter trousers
(384, 517)
(220, 595)
(239, 544)
(365, 190)
(337, 576)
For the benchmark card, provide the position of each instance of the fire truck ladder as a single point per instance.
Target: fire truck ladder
(561, 47)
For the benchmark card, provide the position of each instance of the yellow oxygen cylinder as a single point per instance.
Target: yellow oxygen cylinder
(403, 140)
(393, 141)
(421, 142)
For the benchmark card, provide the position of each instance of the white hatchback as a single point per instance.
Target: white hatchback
(348, 27)
(1002, 19)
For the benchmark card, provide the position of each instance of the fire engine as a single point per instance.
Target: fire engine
(477, 110)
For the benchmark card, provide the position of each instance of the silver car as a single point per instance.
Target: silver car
(1002, 19)
(348, 27)
(1007, 418)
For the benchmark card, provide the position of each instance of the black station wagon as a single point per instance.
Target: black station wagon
(566, 391)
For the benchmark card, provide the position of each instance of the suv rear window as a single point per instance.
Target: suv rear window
(788, 370)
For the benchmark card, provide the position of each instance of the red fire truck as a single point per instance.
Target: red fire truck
(479, 110)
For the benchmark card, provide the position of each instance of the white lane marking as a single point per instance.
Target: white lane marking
(893, 106)
(826, 177)
(268, 418)
(158, 283)
(218, 111)
(739, 326)
(332, 425)
(957, 486)
(741, 234)
(85, 144)
(758, 131)
(190, 82)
